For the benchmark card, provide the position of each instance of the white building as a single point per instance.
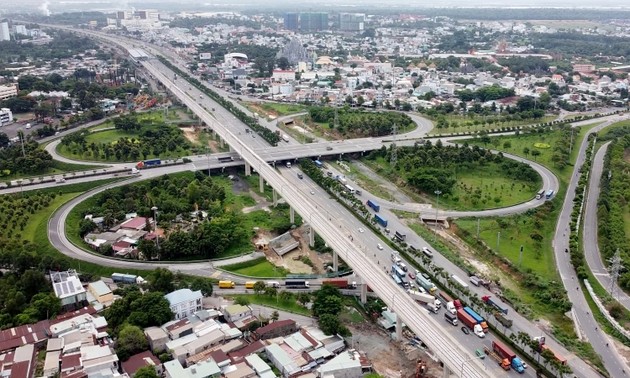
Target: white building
(184, 302)
(345, 365)
(68, 289)
(6, 116)
(4, 31)
(236, 312)
(206, 369)
(7, 91)
(20, 29)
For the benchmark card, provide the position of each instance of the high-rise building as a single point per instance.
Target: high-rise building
(351, 21)
(6, 116)
(313, 21)
(20, 29)
(4, 31)
(291, 21)
(8, 91)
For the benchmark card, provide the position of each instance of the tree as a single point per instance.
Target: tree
(203, 284)
(259, 287)
(327, 301)
(507, 145)
(275, 315)
(131, 340)
(162, 280)
(146, 372)
(303, 298)
(283, 63)
(535, 154)
(329, 324)
(243, 301)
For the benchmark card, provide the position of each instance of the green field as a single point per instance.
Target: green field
(256, 268)
(282, 109)
(276, 302)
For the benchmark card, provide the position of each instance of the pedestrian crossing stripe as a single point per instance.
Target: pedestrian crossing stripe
(216, 274)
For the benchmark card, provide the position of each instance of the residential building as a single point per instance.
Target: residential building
(184, 302)
(157, 338)
(68, 289)
(260, 367)
(18, 364)
(240, 370)
(584, 68)
(281, 360)
(136, 224)
(291, 21)
(351, 21)
(8, 91)
(349, 364)
(313, 21)
(275, 329)
(206, 369)
(101, 292)
(4, 31)
(6, 116)
(283, 75)
(235, 312)
(140, 360)
(20, 29)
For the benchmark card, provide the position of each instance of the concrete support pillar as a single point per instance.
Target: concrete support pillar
(221, 142)
(364, 293)
(399, 326)
(231, 148)
(292, 215)
(311, 237)
(261, 184)
(248, 169)
(335, 261)
(447, 372)
(275, 198)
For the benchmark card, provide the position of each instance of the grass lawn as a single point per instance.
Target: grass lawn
(282, 109)
(463, 128)
(365, 181)
(260, 268)
(275, 302)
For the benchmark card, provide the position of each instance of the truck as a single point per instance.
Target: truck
(400, 236)
(467, 320)
(226, 284)
(149, 163)
(425, 298)
(501, 318)
(135, 171)
(540, 194)
(395, 258)
(318, 164)
(506, 353)
(488, 299)
(250, 284)
(341, 179)
(373, 205)
(503, 362)
(478, 318)
(296, 284)
(426, 284)
(549, 194)
(380, 220)
(349, 189)
(341, 283)
(285, 138)
(124, 278)
(275, 284)
(459, 281)
(288, 165)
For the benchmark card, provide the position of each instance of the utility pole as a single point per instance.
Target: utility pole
(613, 269)
(520, 256)
(478, 220)
(394, 155)
(498, 240)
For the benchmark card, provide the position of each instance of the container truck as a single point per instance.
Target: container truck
(478, 318)
(124, 278)
(375, 206)
(425, 298)
(380, 220)
(503, 362)
(488, 299)
(475, 280)
(341, 283)
(226, 284)
(426, 284)
(149, 163)
(506, 353)
(507, 323)
(459, 281)
(468, 321)
(296, 284)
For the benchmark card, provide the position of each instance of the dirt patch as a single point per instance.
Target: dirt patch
(191, 134)
(390, 358)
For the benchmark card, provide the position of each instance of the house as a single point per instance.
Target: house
(240, 370)
(275, 329)
(206, 369)
(255, 347)
(281, 360)
(18, 363)
(101, 292)
(68, 289)
(157, 338)
(235, 312)
(135, 224)
(349, 364)
(178, 328)
(140, 360)
(260, 367)
(184, 302)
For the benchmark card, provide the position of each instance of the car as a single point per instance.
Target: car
(300, 176)
(466, 330)
(361, 230)
(387, 230)
(412, 276)
(328, 148)
(312, 192)
(480, 353)
(379, 246)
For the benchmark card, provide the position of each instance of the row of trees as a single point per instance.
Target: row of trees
(483, 94)
(358, 123)
(15, 211)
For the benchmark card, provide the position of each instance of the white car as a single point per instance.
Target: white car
(361, 230)
(313, 192)
(379, 246)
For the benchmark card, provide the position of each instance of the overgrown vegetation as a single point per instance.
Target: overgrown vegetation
(27, 158)
(359, 123)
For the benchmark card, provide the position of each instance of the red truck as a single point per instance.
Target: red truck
(466, 319)
(341, 283)
(506, 353)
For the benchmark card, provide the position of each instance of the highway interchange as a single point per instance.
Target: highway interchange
(299, 191)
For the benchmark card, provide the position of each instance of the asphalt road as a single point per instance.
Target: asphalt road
(591, 245)
(584, 321)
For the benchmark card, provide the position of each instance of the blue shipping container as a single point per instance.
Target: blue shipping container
(473, 315)
(152, 162)
(375, 206)
(380, 220)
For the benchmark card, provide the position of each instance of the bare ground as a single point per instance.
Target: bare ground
(389, 358)
(192, 134)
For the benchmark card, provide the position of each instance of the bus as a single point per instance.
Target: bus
(398, 271)
(396, 279)
(318, 164)
(549, 194)
(540, 194)
(350, 189)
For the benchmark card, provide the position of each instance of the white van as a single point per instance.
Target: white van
(427, 252)
(288, 165)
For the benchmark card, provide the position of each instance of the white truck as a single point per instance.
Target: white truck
(285, 138)
(429, 299)
(477, 330)
(135, 171)
(450, 307)
(396, 259)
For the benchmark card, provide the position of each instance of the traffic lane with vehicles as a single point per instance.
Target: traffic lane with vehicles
(580, 368)
(584, 320)
(366, 244)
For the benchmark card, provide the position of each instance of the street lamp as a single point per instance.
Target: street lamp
(157, 237)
